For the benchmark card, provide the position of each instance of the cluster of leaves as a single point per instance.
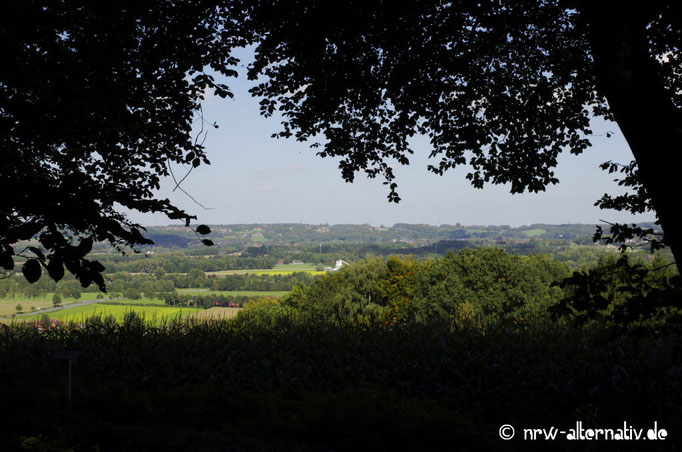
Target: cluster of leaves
(616, 292)
(97, 102)
(636, 202)
(366, 76)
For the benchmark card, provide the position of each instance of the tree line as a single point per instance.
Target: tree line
(488, 286)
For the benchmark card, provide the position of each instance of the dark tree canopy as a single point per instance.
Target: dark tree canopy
(501, 85)
(97, 100)
(367, 76)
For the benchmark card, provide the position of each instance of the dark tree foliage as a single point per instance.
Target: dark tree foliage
(502, 86)
(636, 296)
(97, 101)
(637, 202)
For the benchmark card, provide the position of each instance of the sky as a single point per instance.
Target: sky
(254, 178)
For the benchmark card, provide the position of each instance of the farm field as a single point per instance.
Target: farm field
(297, 267)
(215, 313)
(534, 232)
(151, 314)
(8, 306)
(280, 269)
(235, 293)
(268, 271)
(139, 301)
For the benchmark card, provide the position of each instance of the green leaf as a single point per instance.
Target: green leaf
(31, 270)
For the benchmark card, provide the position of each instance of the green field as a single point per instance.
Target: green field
(143, 300)
(236, 293)
(297, 267)
(151, 314)
(280, 269)
(269, 271)
(8, 306)
(534, 232)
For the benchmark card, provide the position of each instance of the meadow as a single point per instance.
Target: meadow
(151, 314)
(8, 306)
(534, 232)
(235, 293)
(280, 269)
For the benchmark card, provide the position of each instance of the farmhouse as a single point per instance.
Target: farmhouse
(339, 263)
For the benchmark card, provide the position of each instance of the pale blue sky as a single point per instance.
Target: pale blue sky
(257, 179)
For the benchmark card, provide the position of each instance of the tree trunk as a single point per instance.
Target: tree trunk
(627, 75)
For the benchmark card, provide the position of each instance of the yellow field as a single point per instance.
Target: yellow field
(216, 313)
(151, 314)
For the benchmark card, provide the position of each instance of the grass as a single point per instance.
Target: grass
(279, 269)
(534, 232)
(8, 307)
(151, 314)
(268, 271)
(297, 267)
(236, 293)
(139, 301)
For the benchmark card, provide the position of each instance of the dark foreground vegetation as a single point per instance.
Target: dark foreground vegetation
(386, 355)
(295, 383)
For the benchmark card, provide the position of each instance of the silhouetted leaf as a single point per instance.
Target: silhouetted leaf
(203, 229)
(55, 268)
(99, 280)
(6, 261)
(85, 246)
(73, 265)
(37, 252)
(85, 277)
(207, 242)
(31, 270)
